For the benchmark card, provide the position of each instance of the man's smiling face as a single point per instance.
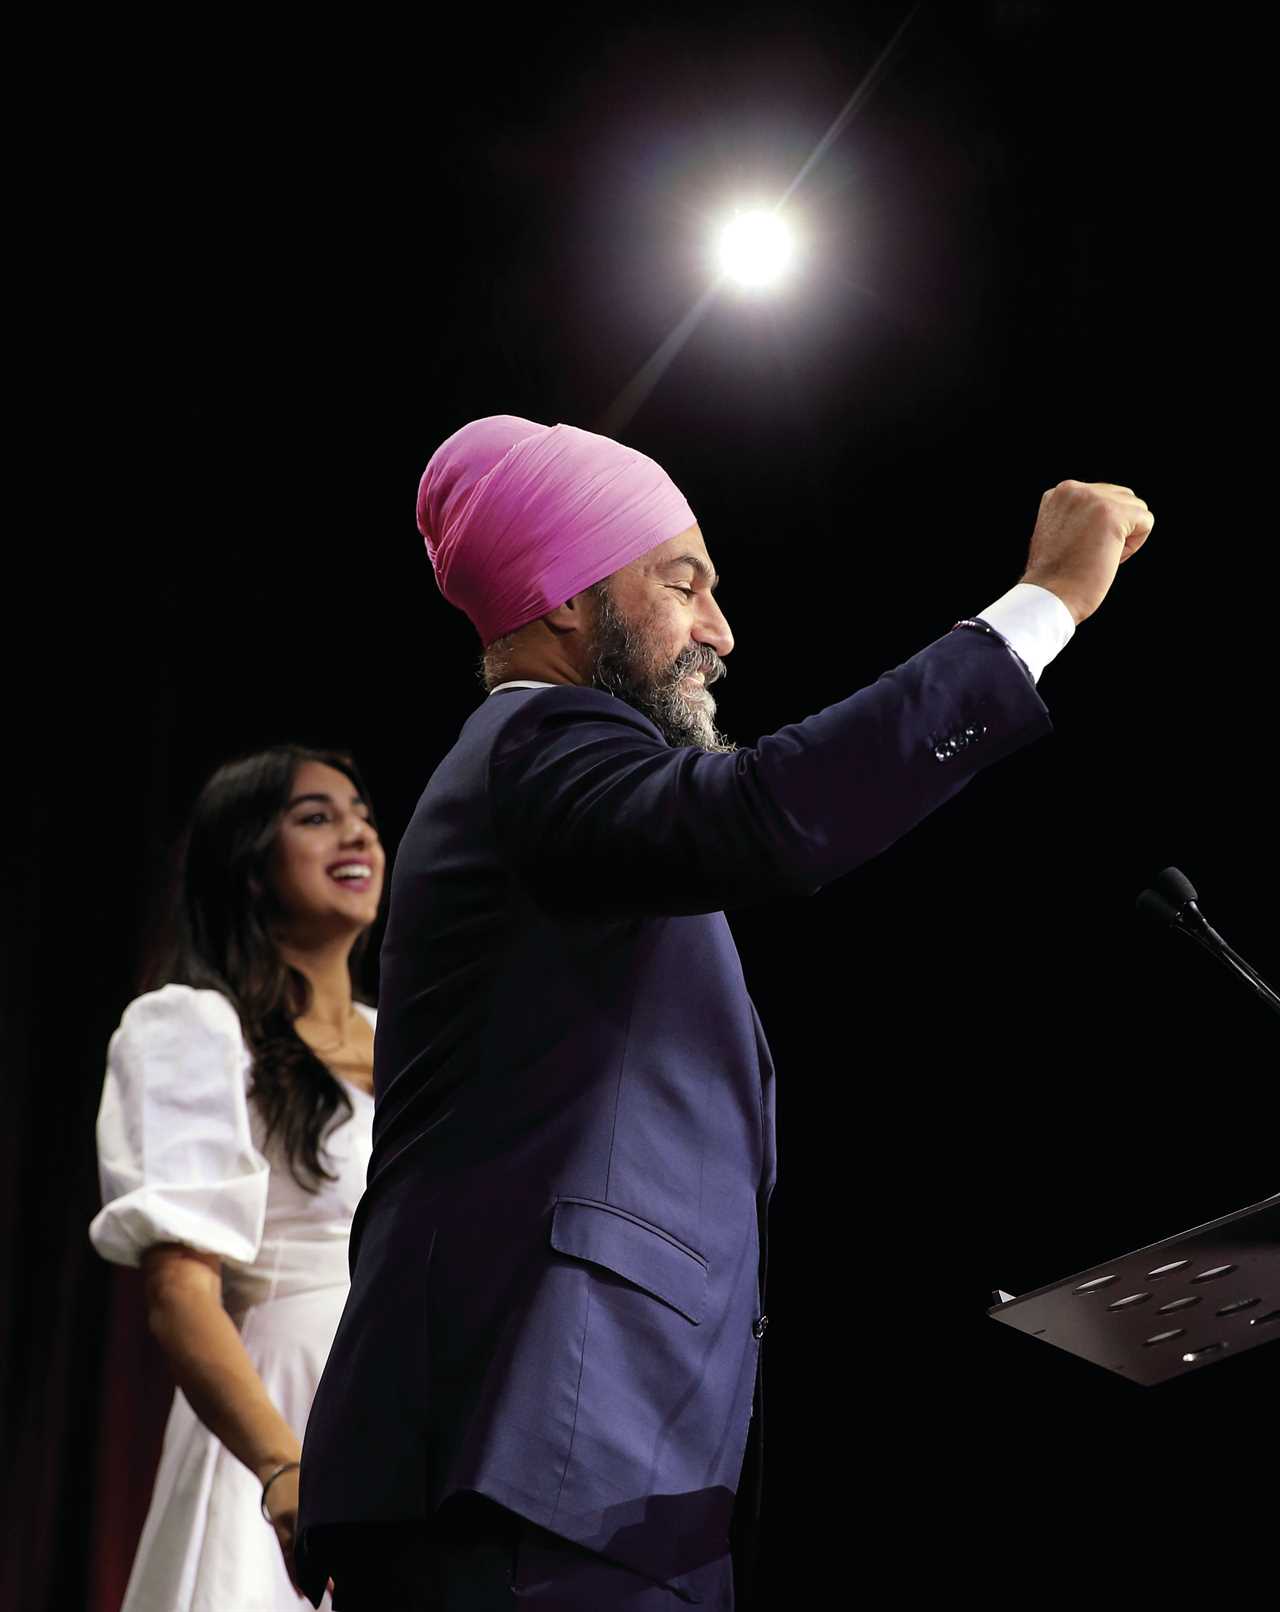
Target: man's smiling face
(659, 639)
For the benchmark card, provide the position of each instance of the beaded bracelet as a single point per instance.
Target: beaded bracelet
(289, 1466)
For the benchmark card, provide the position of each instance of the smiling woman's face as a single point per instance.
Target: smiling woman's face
(327, 862)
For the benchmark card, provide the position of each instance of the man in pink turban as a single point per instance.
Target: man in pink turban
(545, 1384)
(520, 519)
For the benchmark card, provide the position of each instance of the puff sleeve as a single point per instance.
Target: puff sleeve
(176, 1157)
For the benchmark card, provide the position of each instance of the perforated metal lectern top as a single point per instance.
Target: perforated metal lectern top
(1202, 1296)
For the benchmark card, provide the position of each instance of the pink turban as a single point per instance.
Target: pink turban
(519, 517)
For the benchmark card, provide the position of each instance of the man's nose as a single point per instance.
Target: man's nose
(712, 628)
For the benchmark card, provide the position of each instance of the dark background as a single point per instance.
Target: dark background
(274, 266)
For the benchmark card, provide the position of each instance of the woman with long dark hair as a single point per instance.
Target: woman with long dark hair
(233, 1139)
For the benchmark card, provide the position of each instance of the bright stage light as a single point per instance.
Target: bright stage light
(755, 248)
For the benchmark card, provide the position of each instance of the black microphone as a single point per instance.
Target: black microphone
(1171, 899)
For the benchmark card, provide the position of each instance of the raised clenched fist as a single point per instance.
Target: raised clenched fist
(1084, 531)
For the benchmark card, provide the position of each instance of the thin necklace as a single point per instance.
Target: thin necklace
(342, 1035)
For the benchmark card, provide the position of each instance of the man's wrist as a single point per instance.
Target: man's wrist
(1069, 596)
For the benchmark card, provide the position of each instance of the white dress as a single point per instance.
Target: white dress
(182, 1159)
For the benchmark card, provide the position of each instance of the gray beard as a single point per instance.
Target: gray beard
(622, 661)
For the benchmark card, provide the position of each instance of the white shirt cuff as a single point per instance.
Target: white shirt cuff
(1035, 621)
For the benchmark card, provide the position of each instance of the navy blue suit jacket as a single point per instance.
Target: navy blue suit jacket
(555, 1268)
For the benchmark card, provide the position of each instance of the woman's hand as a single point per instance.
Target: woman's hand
(281, 1506)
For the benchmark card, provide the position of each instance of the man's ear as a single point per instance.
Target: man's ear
(574, 615)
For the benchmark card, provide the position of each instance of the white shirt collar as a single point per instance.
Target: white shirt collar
(518, 683)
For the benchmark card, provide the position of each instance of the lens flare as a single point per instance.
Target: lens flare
(756, 248)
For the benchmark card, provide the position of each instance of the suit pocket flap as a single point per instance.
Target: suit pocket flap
(641, 1253)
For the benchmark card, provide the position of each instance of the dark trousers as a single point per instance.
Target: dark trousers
(477, 1557)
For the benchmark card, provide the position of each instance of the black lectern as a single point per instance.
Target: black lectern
(1204, 1295)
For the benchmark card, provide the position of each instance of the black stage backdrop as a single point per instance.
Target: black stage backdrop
(275, 266)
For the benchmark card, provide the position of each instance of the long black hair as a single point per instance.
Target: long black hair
(218, 938)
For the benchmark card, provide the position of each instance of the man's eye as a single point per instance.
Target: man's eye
(688, 592)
